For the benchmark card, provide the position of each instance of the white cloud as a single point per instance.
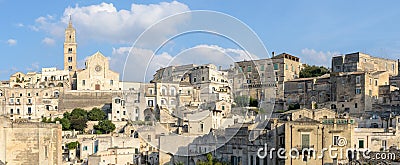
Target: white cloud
(11, 42)
(48, 41)
(20, 25)
(313, 57)
(139, 59)
(104, 22)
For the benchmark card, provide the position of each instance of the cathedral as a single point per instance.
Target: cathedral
(96, 75)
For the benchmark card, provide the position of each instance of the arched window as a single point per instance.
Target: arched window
(163, 90)
(172, 91)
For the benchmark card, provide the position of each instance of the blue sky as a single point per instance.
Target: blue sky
(31, 35)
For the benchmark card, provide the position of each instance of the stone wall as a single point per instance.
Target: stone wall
(84, 99)
(30, 143)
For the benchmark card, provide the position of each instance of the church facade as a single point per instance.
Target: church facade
(96, 75)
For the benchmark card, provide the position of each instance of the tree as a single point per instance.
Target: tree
(105, 126)
(72, 145)
(242, 101)
(313, 71)
(78, 123)
(96, 114)
(66, 124)
(211, 161)
(67, 115)
(78, 112)
(253, 102)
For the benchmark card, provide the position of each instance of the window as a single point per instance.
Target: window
(376, 82)
(248, 81)
(29, 101)
(70, 68)
(11, 111)
(69, 50)
(84, 148)
(69, 59)
(172, 92)
(393, 67)
(305, 140)
(202, 78)
(29, 94)
(117, 111)
(117, 101)
(262, 68)
(358, 80)
(358, 90)
(248, 68)
(223, 107)
(123, 112)
(29, 110)
(370, 92)
(11, 101)
(276, 66)
(201, 127)
(335, 140)
(46, 151)
(194, 79)
(17, 110)
(286, 66)
(83, 82)
(150, 103)
(360, 143)
(240, 69)
(111, 82)
(149, 137)
(370, 81)
(355, 105)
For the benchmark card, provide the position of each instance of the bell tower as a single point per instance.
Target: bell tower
(70, 47)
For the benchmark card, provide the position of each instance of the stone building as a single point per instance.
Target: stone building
(264, 79)
(29, 103)
(355, 92)
(360, 62)
(30, 143)
(97, 74)
(308, 91)
(313, 129)
(113, 156)
(172, 73)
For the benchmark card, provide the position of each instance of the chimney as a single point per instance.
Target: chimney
(273, 54)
